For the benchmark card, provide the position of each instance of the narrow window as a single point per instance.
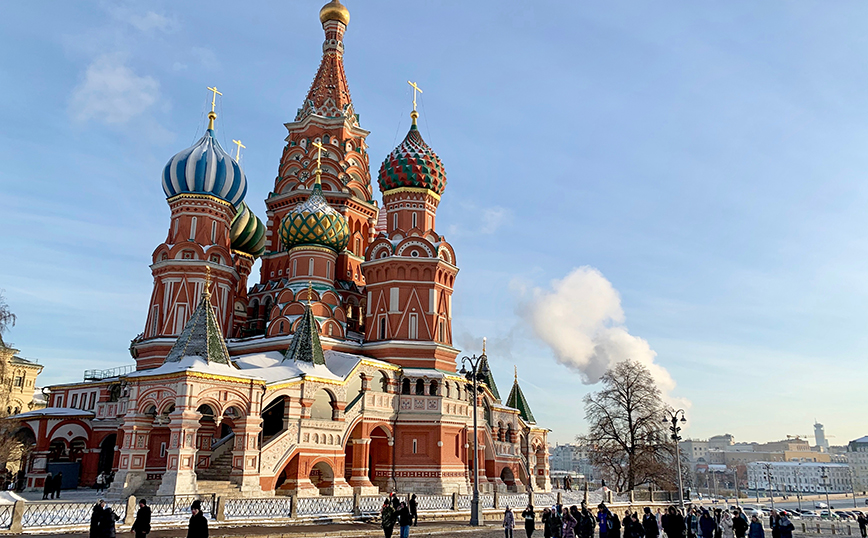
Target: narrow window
(395, 221)
(155, 319)
(413, 327)
(175, 230)
(310, 267)
(420, 387)
(331, 329)
(442, 331)
(405, 387)
(383, 328)
(92, 402)
(294, 267)
(415, 446)
(60, 401)
(328, 269)
(74, 400)
(414, 219)
(193, 229)
(180, 318)
(213, 231)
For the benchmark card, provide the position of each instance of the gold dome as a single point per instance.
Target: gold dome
(334, 11)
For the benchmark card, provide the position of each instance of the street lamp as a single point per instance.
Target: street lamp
(852, 486)
(768, 469)
(825, 477)
(798, 476)
(478, 372)
(672, 419)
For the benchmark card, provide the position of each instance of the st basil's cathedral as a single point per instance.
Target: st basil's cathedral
(335, 373)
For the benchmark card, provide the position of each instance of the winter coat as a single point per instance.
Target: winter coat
(649, 524)
(756, 530)
(726, 526)
(569, 523)
(508, 520)
(547, 524)
(49, 484)
(557, 522)
(785, 527)
(529, 519)
(692, 523)
(198, 527)
(740, 525)
(387, 517)
(405, 519)
(637, 530)
(143, 520)
(586, 524)
(673, 525)
(102, 522)
(626, 523)
(707, 526)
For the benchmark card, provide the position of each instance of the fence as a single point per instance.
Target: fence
(62, 513)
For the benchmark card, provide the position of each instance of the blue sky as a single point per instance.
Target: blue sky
(704, 162)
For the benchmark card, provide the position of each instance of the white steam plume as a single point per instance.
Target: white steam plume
(581, 319)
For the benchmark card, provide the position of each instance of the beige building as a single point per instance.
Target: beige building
(18, 377)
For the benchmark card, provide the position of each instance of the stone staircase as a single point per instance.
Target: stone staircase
(215, 479)
(148, 489)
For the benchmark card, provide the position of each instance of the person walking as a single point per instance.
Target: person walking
(58, 485)
(863, 524)
(568, 483)
(707, 525)
(102, 521)
(47, 486)
(773, 524)
(414, 506)
(546, 519)
(557, 521)
(568, 523)
(692, 523)
(404, 520)
(726, 525)
(142, 524)
(755, 530)
(740, 524)
(574, 511)
(673, 523)
(198, 526)
(636, 528)
(387, 518)
(603, 521)
(649, 524)
(717, 515)
(586, 522)
(529, 520)
(100, 482)
(785, 526)
(508, 522)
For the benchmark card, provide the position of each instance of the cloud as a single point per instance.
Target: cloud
(493, 218)
(112, 93)
(486, 220)
(148, 22)
(580, 318)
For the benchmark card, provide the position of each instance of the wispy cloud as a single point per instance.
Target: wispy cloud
(486, 220)
(147, 22)
(112, 93)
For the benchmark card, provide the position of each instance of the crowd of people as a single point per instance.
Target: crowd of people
(103, 519)
(574, 522)
(396, 512)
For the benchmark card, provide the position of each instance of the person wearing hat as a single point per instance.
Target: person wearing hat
(142, 524)
(102, 521)
(198, 527)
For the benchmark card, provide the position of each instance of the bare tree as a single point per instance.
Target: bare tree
(7, 318)
(626, 435)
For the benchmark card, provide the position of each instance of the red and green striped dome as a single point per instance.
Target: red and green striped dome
(413, 164)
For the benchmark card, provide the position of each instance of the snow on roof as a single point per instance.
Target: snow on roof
(55, 412)
(195, 363)
(271, 366)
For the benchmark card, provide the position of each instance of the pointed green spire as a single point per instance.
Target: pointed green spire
(516, 400)
(305, 342)
(201, 336)
(489, 379)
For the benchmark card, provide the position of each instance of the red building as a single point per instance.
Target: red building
(335, 372)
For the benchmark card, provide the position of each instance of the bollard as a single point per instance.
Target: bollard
(455, 501)
(357, 503)
(219, 509)
(818, 527)
(833, 528)
(804, 527)
(130, 516)
(849, 530)
(559, 501)
(496, 499)
(293, 510)
(632, 498)
(17, 526)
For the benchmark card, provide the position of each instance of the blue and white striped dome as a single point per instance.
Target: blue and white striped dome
(205, 168)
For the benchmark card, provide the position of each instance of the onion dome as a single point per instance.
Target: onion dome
(314, 222)
(247, 233)
(413, 164)
(334, 11)
(205, 168)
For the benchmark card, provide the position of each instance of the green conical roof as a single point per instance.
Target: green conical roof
(489, 379)
(305, 345)
(201, 336)
(516, 400)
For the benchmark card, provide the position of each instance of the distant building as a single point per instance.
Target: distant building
(573, 458)
(695, 450)
(857, 458)
(805, 477)
(721, 442)
(18, 383)
(820, 436)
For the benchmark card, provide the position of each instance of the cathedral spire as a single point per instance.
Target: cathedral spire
(329, 95)
(305, 344)
(516, 400)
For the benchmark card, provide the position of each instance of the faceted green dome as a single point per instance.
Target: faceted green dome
(247, 234)
(413, 164)
(314, 222)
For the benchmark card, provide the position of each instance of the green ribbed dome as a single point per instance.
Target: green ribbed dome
(314, 222)
(247, 234)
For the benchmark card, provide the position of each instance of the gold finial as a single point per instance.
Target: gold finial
(483, 344)
(318, 147)
(238, 149)
(334, 11)
(208, 280)
(214, 97)
(309, 292)
(414, 115)
(516, 373)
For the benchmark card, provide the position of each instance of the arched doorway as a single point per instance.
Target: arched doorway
(508, 479)
(273, 421)
(380, 465)
(107, 453)
(323, 478)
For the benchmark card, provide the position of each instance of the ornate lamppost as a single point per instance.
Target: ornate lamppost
(478, 372)
(672, 418)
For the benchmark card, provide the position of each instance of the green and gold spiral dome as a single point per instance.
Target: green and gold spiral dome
(314, 222)
(247, 233)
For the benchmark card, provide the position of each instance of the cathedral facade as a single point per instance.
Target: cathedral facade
(335, 373)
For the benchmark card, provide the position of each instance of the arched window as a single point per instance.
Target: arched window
(509, 436)
(500, 431)
(384, 382)
(405, 386)
(420, 387)
(432, 390)
(322, 407)
(448, 388)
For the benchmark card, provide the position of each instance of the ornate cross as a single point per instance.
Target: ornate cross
(415, 89)
(214, 97)
(208, 280)
(238, 149)
(318, 147)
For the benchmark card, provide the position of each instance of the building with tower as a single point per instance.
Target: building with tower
(335, 372)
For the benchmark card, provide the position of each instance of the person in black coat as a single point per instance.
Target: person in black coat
(198, 527)
(414, 505)
(102, 521)
(673, 523)
(649, 524)
(529, 520)
(587, 523)
(57, 484)
(142, 524)
(405, 519)
(47, 486)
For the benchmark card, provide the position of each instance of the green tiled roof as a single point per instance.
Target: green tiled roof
(489, 379)
(305, 344)
(516, 400)
(201, 336)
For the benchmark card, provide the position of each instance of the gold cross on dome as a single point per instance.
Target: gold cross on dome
(214, 97)
(415, 89)
(309, 292)
(318, 147)
(238, 149)
(208, 279)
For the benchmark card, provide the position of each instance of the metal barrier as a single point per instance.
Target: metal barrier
(174, 505)
(63, 513)
(325, 506)
(6, 515)
(268, 507)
